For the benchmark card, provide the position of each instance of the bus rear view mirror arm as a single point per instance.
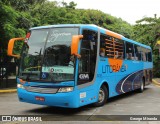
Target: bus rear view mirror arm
(74, 45)
(11, 46)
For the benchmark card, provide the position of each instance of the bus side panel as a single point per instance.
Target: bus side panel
(133, 76)
(130, 78)
(106, 74)
(88, 95)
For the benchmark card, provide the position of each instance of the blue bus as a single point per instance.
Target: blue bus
(73, 65)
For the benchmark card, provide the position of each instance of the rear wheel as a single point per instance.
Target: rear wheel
(141, 89)
(102, 97)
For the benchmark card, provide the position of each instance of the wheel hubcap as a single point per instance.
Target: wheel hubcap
(101, 96)
(142, 86)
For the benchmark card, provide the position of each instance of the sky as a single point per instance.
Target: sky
(128, 10)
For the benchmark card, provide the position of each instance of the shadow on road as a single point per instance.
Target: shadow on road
(125, 96)
(59, 111)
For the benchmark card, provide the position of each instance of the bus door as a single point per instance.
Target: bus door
(84, 66)
(87, 62)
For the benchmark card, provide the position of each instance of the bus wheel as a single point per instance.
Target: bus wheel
(141, 89)
(102, 97)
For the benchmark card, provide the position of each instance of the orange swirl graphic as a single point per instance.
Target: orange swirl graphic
(115, 64)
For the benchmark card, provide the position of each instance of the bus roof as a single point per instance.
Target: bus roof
(92, 27)
(66, 25)
(137, 43)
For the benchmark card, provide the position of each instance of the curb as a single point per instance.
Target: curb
(155, 82)
(8, 91)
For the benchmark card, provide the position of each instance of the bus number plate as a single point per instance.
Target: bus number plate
(40, 98)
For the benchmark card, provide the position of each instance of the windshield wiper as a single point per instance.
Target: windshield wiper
(27, 75)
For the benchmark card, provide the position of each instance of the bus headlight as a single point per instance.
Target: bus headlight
(20, 86)
(65, 89)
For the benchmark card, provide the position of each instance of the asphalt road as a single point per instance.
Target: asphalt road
(134, 103)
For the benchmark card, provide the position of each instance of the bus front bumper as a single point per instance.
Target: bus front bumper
(67, 100)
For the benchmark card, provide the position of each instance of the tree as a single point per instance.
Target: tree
(71, 5)
(17, 16)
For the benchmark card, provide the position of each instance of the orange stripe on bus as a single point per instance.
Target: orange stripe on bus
(113, 34)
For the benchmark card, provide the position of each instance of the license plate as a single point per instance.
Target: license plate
(38, 98)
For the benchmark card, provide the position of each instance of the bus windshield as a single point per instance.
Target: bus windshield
(46, 56)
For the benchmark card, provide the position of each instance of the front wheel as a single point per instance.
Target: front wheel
(102, 97)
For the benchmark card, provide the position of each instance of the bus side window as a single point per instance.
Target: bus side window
(144, 54)
(149, 56)
(102, 51)
(109, 45)
(129, 51)
(137, 50)
(119, 49)
(106, 46)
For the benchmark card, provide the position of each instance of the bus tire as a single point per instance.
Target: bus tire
(102, 96)
(141, 89)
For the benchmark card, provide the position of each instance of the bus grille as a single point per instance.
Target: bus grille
(41, 90)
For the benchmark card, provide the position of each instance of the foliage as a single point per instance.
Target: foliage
(54, 13)
(8, 24)
(17, 16)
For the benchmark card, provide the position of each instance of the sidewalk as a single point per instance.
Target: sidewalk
(11, 90)
(156, 81)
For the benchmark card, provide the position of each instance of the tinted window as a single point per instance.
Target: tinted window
(106, 46)
(144, 57)
(111, 47)
(119, 49)
(129, 51)
(137, 50)
(87, 62)
(149, 55)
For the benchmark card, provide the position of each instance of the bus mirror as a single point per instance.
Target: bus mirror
(74, 45)
(11, 45)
